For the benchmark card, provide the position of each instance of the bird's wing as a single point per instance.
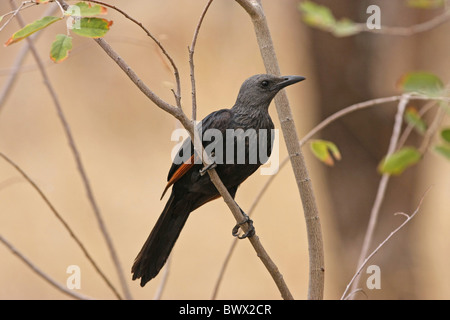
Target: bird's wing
(218, 120)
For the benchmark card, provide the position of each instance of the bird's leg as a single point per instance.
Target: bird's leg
(251, 228)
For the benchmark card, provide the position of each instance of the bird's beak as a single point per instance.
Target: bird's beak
(288, 80)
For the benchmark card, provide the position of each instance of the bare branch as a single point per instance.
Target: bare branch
(78, 161)
(191, 60)
(41, 273)
(65, 225)
(409, 31)
(155, 40)
(383, 184)
(14, 71)
(315, 242)
(364, 262)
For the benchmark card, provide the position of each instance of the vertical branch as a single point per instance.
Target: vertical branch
(314, 231)
(382, 185)
(191, 61)
(78, 161)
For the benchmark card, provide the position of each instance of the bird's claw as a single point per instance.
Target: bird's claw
(210, 166)
(251, 229)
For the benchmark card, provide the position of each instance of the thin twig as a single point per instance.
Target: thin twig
(64, 223)
(155, 40)
(383, 184)
(42, 274)
(16, 11)
(408, 31)
(20, 58)
(79, 163)
(191, 61)
(364, 262)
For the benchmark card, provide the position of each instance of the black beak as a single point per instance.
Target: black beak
(288, 80)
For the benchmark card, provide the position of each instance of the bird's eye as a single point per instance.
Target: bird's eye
(264, 83)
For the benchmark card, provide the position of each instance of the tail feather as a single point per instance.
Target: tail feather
(161, 240)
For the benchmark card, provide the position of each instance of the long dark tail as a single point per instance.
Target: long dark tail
(161, 240)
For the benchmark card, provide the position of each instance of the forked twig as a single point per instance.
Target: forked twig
(408, 218)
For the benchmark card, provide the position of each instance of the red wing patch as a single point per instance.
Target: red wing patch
(181, 171)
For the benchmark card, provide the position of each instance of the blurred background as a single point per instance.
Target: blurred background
(124, 141)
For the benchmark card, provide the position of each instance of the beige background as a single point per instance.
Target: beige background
(124, 141)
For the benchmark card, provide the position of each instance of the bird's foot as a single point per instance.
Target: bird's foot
(210, 166)
(251, 229)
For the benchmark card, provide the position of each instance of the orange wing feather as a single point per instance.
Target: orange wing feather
(179, 173)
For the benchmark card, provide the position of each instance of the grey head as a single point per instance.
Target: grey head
(259, 90)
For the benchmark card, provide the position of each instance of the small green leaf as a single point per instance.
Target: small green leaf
(396, 163)
(421, 82)
(325, 151)
(426, 4)
(83, 9)
(413, 118)
(345, 27)
(42, 1)
(316, 15)
(92, 27)
(60, 48)
(443, 150)
(445, 134)
(31, 28)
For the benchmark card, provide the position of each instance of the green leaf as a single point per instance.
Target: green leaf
(316, 15)
(426, 4)
(413, 118)
(31, 28)
(92, 27)
(83, 9)
(60, 48)
(325, 151)
(396, 163)
(42, 1)
(421, 82)
(445, 134)
(443, 150)
(345, 27)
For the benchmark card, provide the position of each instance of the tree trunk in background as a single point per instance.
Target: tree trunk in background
(355, 69)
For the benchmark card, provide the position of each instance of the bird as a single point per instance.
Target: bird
(246, 122)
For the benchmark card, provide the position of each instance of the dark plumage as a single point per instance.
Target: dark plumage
(190, 188)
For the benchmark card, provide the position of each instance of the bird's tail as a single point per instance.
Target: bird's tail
(161, 240)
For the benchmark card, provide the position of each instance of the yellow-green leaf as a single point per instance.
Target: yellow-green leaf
(413, 118)
(396, 163)
(60, 48)
(443, 150)
(345, 27)
(31, 28)
(83, 9)
(325, 151)
(421, 82)
(92, 27)
(426, 4)
(42, 1)
(445, 134)
(317, 15)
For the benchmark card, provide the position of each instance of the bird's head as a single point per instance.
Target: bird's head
(259, 90)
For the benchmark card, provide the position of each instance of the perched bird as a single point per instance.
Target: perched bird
(249, 125)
